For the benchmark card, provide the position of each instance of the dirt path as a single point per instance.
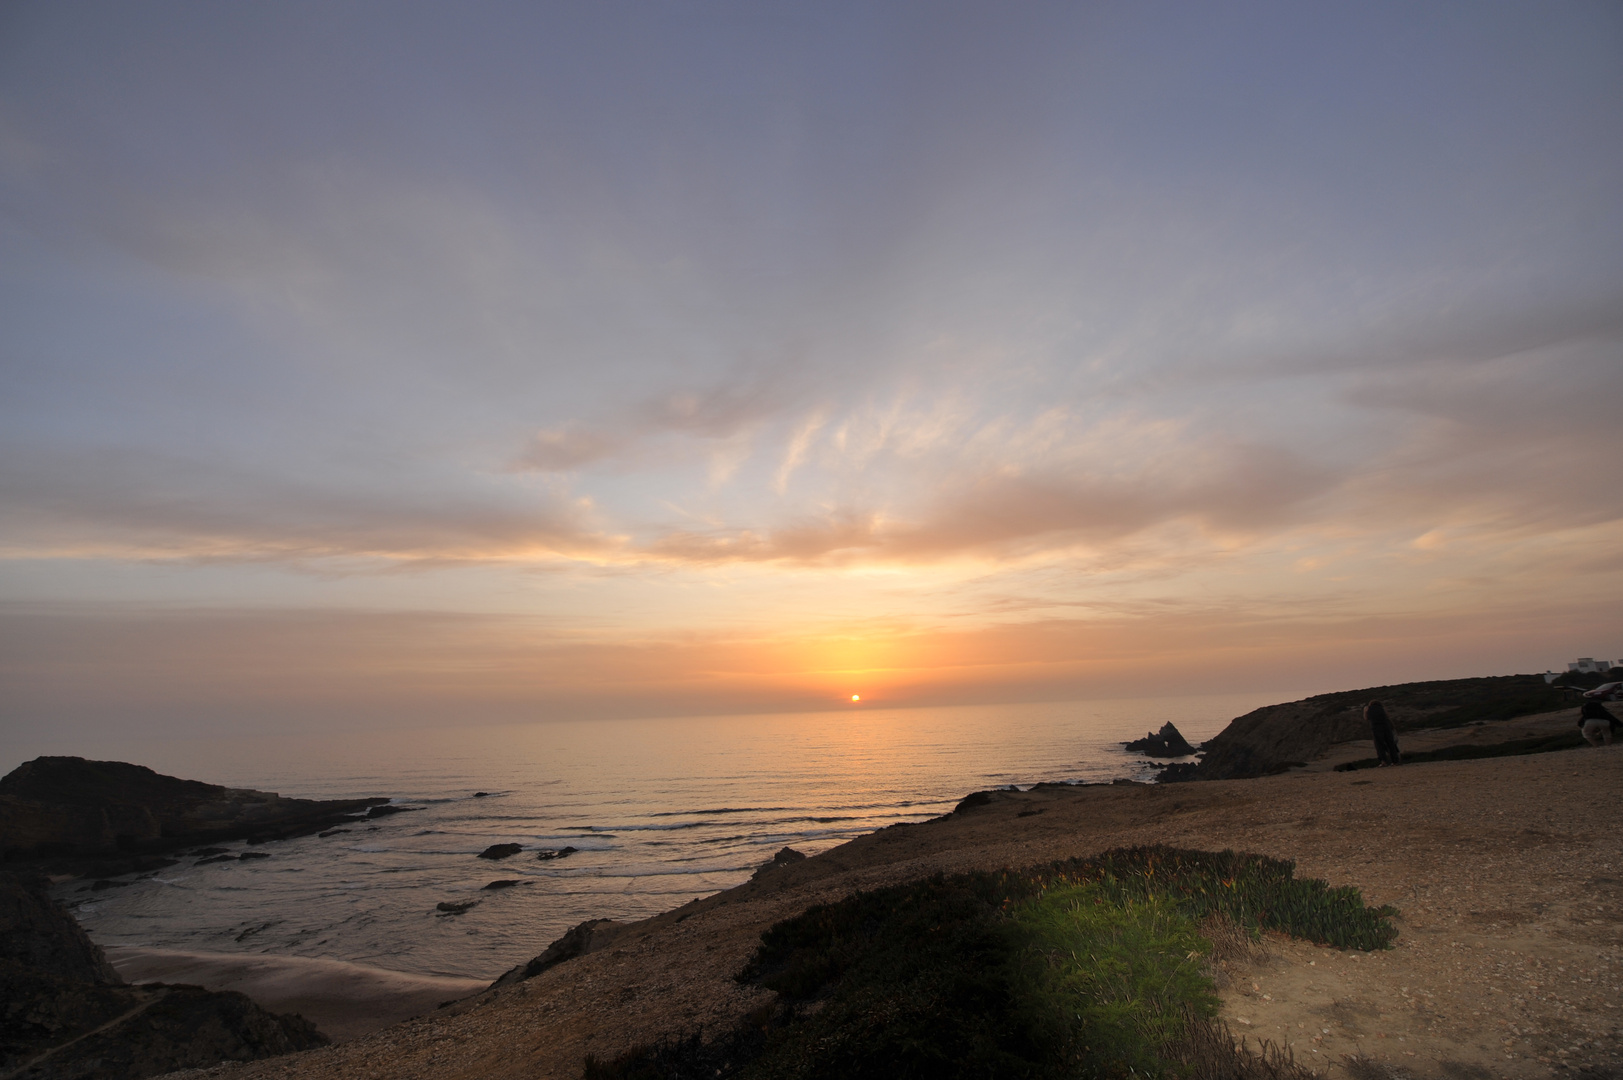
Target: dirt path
(1508, 873)
(149, 999)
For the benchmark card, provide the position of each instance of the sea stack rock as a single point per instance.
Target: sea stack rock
(1168, 742)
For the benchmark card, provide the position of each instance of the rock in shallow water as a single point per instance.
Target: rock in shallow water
(501, 851)
(1168, 742)
(385, 811)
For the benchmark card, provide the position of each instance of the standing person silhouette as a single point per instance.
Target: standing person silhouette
(1386, 738)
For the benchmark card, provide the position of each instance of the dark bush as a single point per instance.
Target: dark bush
(1087, 967)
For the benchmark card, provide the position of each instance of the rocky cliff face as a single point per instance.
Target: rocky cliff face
(66, 1015)
(68, 806)
(36, 933)
(1272, 739)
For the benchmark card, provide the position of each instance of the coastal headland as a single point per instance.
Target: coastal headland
(1507, 873)
(107, 818)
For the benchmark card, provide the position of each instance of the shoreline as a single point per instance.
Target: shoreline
(345, 1000)
(1500, 876)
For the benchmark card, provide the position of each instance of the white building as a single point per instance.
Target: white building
(1588, 665)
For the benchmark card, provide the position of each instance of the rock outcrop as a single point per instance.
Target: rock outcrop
(786, 856)
(128, 815)
(1168, 742)
(1274, 738)
(588, 937)
(67, 1015)
(37, 934)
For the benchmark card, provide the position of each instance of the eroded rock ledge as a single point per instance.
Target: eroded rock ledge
(110, 817)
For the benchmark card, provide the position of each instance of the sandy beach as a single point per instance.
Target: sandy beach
(344, 1000)
(1508, 874)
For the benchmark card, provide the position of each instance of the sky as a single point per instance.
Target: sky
(369, 364)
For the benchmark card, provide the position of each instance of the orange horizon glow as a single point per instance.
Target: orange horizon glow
(432, 427)
(281, 669)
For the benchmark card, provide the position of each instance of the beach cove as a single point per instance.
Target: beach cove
(1506, 872)
(658, 812)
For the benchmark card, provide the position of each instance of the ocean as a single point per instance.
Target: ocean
(659, 812)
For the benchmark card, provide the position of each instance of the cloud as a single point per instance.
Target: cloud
(131, 505)
(716, 320)
(1009, 514)
(1509, 442)
(569, 447)
(720, 412)
(795, 454)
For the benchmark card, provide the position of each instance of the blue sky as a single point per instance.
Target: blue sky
(708, 356)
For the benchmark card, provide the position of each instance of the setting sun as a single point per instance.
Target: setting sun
(856, 697)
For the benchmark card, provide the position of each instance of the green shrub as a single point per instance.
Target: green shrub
(1123, 981)
(1254, 891)
(1083, 968)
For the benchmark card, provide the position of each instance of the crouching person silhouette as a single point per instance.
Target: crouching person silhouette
(1597, 723)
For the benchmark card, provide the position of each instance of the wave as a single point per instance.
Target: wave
(659, 869)
(646, 828)
(727, 810)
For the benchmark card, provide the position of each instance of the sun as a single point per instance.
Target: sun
(856, 697)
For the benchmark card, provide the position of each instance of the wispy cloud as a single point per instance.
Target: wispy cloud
(697, 324)
(134, 506)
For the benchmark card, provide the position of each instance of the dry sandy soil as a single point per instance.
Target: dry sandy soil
(1508, 874)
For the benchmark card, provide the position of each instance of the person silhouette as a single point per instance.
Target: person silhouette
(1597, 723)
(1386, 737)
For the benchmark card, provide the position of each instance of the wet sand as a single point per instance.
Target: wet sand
(346, 1001)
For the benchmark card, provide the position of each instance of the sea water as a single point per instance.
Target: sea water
(659, 812)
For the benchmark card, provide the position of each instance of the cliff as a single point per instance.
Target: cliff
(70, 808)
(69, 1016)
(1274, 738)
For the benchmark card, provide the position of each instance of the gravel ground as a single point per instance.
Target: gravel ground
(1508, 874)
